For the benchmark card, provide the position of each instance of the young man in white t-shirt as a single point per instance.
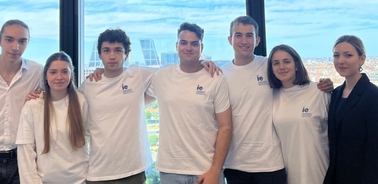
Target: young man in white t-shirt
(195, 115)
(255, 154)
(18, 76)
(119, 148)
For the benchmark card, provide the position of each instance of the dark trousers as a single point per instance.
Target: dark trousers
(241, 177)
(9, 171)
(134, 179)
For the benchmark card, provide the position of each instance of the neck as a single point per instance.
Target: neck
(112, 74)
(8, 66)
(190, 68)
(241, 61)
(351, 81)
(58, 95)
(287, 85)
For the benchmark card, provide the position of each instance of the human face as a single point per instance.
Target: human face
(346, 60)
(284, 68)
(13, 43)
(58, 76)
(113, 56)
(243, 40)
(189, 47)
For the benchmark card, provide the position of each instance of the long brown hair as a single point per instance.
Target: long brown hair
(75, 125)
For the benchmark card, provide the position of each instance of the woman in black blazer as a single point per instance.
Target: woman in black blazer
(352, 119)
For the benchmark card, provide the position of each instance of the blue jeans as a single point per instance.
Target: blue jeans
(9, 171)
(170, 178)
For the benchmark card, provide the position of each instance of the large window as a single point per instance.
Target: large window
(311, 27)
(152, 27)
(43, 21)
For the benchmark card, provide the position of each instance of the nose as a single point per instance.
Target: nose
(188, 47)
(59, 75)
(112, 55)
(341, 59)
(281, 65)
(16, 46)
(244, 39)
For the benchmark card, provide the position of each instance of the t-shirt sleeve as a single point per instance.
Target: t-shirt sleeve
(25, 132)
(222, 99)
(146, 75)
(82, 87)
(85, 117)
(151, 87)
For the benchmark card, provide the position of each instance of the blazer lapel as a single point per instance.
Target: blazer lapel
(353, 97)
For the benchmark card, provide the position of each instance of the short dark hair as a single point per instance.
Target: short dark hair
(13, 22)
(113, 36)
(192, 28)
(355, 41)
(301, 75)
(245, 20)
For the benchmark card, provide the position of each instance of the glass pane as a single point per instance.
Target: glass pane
(152, 27)
(312, 27)
(43, 21)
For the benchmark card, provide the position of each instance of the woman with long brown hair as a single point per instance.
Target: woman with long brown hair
(52, 143)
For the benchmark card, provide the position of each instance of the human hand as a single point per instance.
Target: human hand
(325, 85)
(210, 177)
(96, 75)
(211, 67)
(33, 95)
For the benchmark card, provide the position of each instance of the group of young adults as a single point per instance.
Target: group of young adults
(231, 125)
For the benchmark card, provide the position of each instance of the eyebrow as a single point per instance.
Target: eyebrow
(14, 38)
(198, 41)
(245, 33)
(109, 48)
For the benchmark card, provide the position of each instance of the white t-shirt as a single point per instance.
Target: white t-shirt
(119, 143)
(61, 163)
(188, 103)
(300, 117)
(12, 99)
(255, 146)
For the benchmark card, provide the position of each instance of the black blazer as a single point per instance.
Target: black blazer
(353, 135)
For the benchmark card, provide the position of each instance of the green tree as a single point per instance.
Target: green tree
(148, 114)
(153, 139)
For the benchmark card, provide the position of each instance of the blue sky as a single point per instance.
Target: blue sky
(309, 26)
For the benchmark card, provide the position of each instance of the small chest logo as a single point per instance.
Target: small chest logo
(126, 89)
(261, 81)
(306, 112)
(200, 90)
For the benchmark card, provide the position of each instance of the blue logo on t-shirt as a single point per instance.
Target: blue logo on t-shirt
(126, 89)
(261, 81)
(199, 90)
(305, 112)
